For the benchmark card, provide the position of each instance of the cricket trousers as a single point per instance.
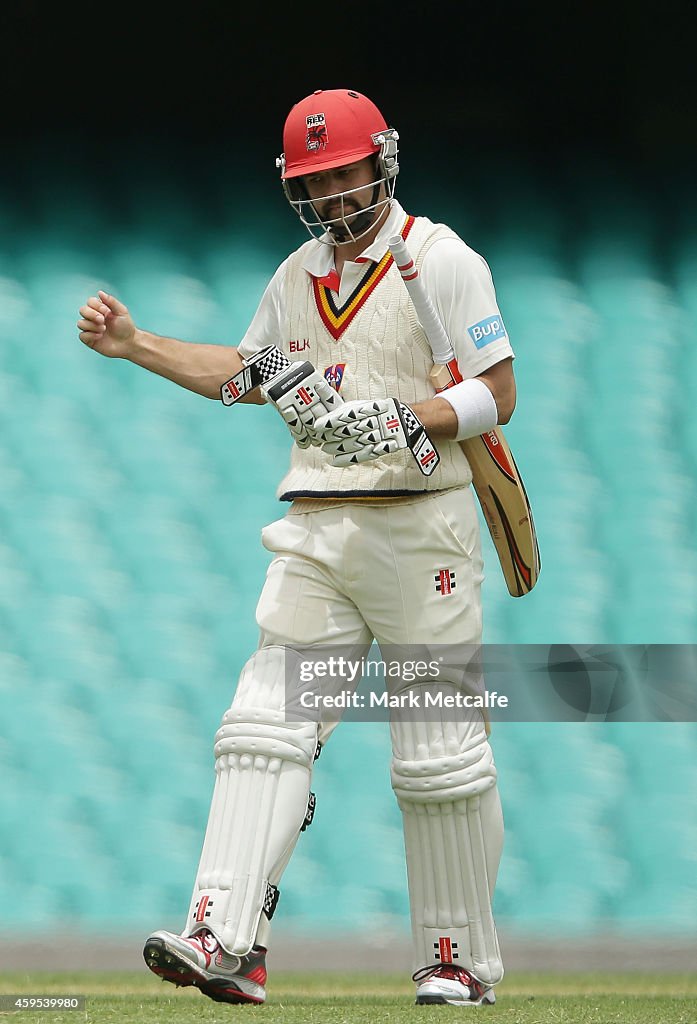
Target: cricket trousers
(401, 574)
(404, 575)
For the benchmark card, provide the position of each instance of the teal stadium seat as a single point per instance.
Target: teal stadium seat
(131, 559)
(684, 279)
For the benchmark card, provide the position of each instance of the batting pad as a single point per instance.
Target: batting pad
(444, 777)
(259, 807)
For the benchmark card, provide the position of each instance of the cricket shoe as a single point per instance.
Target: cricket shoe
(447, 983)
(200, 960)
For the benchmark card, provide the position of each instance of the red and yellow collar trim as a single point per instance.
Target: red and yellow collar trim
(337, 318)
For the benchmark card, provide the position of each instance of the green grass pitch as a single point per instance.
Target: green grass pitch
(326, 998)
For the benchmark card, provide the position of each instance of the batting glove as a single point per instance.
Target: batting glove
(302, 395)
(361, 431)
(299, 392)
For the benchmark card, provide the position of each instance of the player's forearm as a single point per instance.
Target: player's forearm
(438, 417)
(441, 420)
(194, 366)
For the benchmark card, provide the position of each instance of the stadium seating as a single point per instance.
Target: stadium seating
(130, 563)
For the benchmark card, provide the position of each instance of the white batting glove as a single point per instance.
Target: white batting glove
(302, 395)
(298, 391)
(361, 431)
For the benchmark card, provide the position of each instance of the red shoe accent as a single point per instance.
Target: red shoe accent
(453, 973)
(171, 965)
(198, 941)
(228, 995)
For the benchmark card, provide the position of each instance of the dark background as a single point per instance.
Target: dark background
(211, 84)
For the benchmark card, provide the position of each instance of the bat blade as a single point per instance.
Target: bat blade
(506, 509)
(495, 477)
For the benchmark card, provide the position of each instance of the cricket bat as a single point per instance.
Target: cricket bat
(497, 482)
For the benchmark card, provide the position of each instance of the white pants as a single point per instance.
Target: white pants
(352, 573)
(399, 575)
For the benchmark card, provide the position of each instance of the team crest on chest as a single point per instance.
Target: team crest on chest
(334, 375)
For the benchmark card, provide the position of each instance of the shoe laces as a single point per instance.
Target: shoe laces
(205, 940)
(207, 943)
(452, 972)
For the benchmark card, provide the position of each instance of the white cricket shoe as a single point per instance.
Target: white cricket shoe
(200, 960)
(447, 983)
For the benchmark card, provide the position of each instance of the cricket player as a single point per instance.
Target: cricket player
(380, 542)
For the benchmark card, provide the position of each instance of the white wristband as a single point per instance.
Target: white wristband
(474, 406)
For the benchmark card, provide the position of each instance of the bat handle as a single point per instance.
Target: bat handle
(444, 375)
(425, 311)
(402, 257)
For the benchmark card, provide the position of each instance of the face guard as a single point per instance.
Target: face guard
(352, 221)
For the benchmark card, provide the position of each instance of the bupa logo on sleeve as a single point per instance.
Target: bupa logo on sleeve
(486, 331)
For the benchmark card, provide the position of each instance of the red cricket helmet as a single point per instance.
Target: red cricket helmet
(328, 129)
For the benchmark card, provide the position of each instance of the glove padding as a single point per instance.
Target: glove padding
(298, 391)
(260, 368)
(302, 395)
(360, 431)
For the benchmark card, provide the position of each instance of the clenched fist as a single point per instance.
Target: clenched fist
(106, 326)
